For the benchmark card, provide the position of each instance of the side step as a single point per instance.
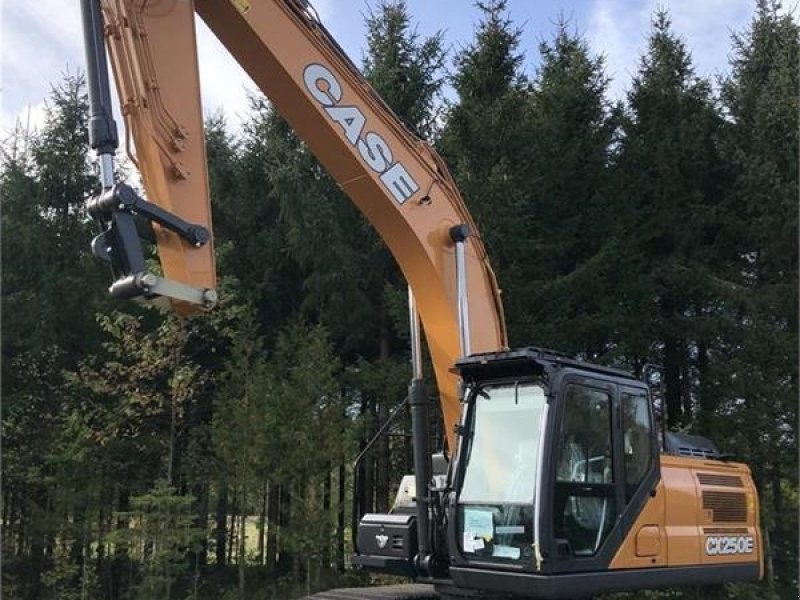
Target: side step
(408, 591)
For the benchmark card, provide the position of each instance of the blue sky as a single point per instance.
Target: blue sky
(42, 40)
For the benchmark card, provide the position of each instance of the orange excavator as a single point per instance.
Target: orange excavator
(555, 482)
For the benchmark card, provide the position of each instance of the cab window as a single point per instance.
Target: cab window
(585, 508)
(637, 440)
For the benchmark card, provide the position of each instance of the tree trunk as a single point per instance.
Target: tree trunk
(286, 562)
(241, 553)
(340, 520)
(326, 509)
(382, 471)
(262, 522)
(8, 526)
(369, 464)
(273, 503)
(672, 379)
(769, 567)
(221, 518)
(39, 498)
(776, 553)
(686, 392)
(23, 523)
(707, 404)
(79, 517)
(85, 554)
(357, 502)
(101, 534)
(201, 492)
(233, 537)
(172, 435)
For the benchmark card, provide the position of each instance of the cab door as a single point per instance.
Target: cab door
(601, 459)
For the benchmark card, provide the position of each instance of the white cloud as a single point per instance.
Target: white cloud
(30, 119)
(40, 43)
(619, 29)
(324, 9)
(224, 84)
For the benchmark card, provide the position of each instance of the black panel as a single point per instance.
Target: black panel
(528, 361)
(547, 587)
(391, 536)
(691, 446)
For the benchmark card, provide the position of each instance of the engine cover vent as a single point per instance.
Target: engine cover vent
(720, 480)
(690, 446)
(726, 506)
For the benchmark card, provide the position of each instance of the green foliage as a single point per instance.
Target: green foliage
(404, 70)
(671, 181)
(762, 214)
(571, 132)
(485, 139)
(45, 178)
(160, 533)
(303, 383)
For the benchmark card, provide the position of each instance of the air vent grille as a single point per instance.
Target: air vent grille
(696, 452)
(726, 506)
(720, 480)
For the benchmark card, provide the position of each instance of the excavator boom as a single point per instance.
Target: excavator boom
(396, 180)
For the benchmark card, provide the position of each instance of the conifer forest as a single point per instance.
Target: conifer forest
(147, 455)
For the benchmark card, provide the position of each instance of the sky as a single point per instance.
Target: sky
(41, 41)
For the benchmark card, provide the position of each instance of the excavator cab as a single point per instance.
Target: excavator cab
(556, 459)
(556, 490)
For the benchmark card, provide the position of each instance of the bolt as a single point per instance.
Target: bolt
(210, 297)
(149, 280)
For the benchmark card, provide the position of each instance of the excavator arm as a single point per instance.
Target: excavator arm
(395, 179)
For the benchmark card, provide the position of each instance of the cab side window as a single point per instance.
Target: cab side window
(637, 440)
(584, 489)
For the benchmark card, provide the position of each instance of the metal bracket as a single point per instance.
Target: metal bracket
(149, 286)
(122, 197)
(119, 245)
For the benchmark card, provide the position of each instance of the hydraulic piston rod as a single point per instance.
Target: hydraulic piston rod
(102, 127)
(420, 417)
(459, 235)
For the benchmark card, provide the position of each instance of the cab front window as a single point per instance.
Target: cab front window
(501, 470)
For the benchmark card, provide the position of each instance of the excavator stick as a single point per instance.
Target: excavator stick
(163, 151)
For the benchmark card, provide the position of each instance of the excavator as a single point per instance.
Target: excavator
(555, 481)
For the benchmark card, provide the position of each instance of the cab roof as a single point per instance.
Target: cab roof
(530, 360)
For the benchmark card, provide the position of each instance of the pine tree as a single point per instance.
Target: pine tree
(486, 142)
(46, 177)
(568, 213)
(756, 372)
(51, 288)
(305, 433)
(403, 69)
(239, 428)
(162, 529)
(671, 178)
